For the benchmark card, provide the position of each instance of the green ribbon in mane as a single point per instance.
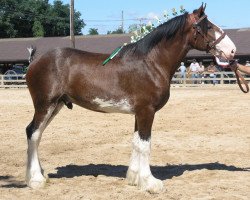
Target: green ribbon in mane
(113, 54)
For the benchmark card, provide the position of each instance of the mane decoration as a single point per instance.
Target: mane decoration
(148, 36)
(145, 29)
(166, 30)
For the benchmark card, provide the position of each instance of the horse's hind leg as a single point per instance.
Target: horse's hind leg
(43, 115)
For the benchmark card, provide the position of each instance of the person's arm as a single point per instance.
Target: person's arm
(209, 69)
(243, 68)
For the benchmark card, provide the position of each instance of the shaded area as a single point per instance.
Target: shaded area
(160, 172)
(70, 171)
(5, 177)
(170, 171)
(10, 182)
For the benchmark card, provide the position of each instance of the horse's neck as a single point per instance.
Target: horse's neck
(170, 54)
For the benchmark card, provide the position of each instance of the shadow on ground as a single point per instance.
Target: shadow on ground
(11, 182)
(160, 172)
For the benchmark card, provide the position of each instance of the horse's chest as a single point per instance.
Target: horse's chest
(162, 98)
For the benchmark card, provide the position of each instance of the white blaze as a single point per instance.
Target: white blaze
(225, 45)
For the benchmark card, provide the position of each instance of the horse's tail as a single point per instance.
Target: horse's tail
(32, 51)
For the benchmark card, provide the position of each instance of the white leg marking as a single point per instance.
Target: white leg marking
(34, 176)
(139, 172)
(133, 170)
(34, 173)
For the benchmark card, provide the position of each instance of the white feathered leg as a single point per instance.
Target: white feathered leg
(133, 170)
(34, 172)
(139, 172)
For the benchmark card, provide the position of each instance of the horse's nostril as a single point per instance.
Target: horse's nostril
(233, 51)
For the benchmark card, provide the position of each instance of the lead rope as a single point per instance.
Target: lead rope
(239, 77)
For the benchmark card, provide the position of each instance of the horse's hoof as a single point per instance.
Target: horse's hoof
(37, 183)
(132, 177)
(151, 184)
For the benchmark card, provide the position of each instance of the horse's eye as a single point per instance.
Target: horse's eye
(209, 27)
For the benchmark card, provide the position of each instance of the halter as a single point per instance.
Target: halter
(210, 44)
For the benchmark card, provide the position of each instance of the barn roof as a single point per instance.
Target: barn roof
(16, 49)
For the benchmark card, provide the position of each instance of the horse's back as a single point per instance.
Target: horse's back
(57, 60)
(55, 71)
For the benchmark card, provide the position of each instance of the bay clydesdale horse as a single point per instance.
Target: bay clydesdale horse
(136, 81)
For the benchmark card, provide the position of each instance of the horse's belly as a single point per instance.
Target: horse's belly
(113, 106)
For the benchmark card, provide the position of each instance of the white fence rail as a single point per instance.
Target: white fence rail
(12, 81)
(208, 78)
(18, 81)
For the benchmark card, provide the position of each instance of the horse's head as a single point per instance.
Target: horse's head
(206, 36)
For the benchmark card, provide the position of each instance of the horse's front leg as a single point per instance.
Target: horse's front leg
(139, 172)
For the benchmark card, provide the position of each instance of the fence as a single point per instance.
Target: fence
(18, 81)
(207, 78)
(12, 81)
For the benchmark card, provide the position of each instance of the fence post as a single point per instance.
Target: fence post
(1, 81)
(221, 78)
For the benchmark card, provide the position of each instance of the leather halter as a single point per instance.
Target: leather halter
(210, 44)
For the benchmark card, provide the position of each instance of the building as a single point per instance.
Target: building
(14, 51)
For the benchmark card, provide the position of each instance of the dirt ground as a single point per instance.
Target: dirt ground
(200, 148)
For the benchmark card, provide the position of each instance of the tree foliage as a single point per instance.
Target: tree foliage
(117, 31)
(37, 29)
(93, 31)
(29, 18)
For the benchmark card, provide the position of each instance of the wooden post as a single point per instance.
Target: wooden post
(72, 36)
(221, 78)
(2, 78)
(122, 23)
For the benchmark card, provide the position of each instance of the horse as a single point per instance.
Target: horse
(136, 81)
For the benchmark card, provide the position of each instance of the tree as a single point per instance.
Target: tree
(117, 31)
(31, 18)
(93, 31)
(78, 23)
(37, 29)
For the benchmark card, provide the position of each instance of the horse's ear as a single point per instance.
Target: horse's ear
(200, 11)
